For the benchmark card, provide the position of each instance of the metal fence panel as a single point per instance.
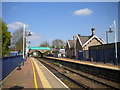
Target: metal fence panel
(105, 53)
(9, 64)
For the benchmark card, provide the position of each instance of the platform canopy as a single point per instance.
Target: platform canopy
(39, 48)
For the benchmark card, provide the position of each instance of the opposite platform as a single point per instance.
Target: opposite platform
(96, 64)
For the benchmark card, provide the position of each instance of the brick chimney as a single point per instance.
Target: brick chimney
(79, 35)
(74, 37)
(74, 41)
(93, 31)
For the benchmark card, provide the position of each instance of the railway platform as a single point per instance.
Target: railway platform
(32, 74)
(96, 64)
(108, 71)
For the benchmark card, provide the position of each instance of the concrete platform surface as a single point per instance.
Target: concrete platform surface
(32, 75)
(96, 64)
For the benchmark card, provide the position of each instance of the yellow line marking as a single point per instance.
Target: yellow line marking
(35, 79)
(43, 79)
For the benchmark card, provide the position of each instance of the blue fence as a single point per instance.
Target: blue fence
(9, 64)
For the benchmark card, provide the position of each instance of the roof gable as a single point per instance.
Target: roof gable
(83, 39)
(91, 38)
(86, 39)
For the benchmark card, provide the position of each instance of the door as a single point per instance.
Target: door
(80, 55)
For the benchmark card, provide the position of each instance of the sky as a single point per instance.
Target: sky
(60, 20)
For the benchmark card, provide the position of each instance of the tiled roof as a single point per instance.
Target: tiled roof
(84, 39)
(71, 43)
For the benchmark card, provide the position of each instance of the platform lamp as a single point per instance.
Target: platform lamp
(28, 33)
(109, 31)
(114, 30)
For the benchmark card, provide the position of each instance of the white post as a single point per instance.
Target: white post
(26, 43)
(23, 41)
(116, 57)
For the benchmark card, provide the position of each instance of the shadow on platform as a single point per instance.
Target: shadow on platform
(19, 68)
(16, 88)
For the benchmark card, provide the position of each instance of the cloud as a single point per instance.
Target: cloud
(16, 25)
(83, 12)
(36, 39)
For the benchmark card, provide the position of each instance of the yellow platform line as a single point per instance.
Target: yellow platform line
(35, 79)
(43, 79)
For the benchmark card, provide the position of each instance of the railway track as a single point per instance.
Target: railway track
(83, 80)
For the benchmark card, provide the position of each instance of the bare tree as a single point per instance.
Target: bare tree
(17, 39)
(45, 44)
(57, 43)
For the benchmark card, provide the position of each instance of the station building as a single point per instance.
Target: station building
(78, 48)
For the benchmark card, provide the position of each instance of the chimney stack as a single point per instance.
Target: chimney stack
(74, 37)
(93, 31)
(79, 35)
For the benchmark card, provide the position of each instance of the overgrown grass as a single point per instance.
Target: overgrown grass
(58, 64)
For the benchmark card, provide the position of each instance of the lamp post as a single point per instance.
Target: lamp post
(25, 36)
(110, 31)
(23, 41)
(114, 26)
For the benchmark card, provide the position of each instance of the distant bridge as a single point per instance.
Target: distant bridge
(41, 50)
